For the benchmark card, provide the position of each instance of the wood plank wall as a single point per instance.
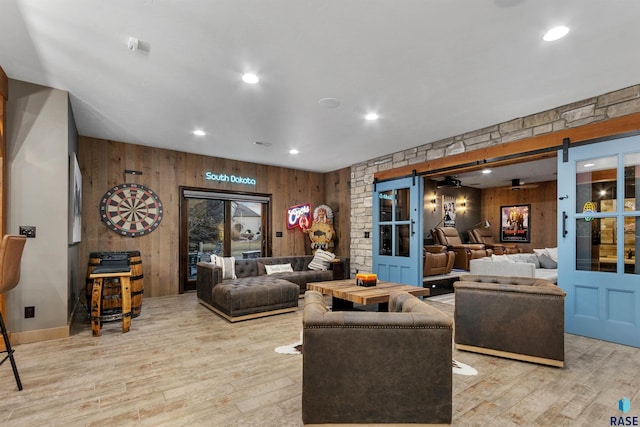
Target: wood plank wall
(543, 214)
(337, 185)
(102, 164)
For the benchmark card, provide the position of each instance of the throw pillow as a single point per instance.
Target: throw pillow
(261, 270)
(228, 265)
(278, 268)
(530, 258)
(553, 253)
(547, 262)
(321, 260)
(539, 252)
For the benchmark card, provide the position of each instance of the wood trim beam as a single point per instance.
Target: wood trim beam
(4, 84)
(518, 151)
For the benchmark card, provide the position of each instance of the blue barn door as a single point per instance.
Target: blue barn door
(397, 231)
(599, 238)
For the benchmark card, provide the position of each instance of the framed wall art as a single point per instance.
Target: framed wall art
(515, 225)
(449, 211)
(75, 200)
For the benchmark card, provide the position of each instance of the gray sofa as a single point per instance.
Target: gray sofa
(488, 267)
(370, 367)
(256, 294)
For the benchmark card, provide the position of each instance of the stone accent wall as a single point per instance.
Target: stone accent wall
(600, 108)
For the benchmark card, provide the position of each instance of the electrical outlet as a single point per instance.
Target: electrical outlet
(28, 231)
(29, 312)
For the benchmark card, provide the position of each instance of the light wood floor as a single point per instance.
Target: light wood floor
(181, 365)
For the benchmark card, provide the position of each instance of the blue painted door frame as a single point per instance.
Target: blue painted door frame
(397, 231)
(600, 277)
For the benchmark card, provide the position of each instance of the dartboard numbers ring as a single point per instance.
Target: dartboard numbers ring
(131, 210)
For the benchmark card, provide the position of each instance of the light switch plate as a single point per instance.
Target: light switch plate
(28, 231)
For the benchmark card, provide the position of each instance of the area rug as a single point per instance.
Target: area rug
(296, 348)
(463, 369)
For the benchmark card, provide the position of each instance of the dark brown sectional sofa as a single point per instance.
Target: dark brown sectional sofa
(256, 294)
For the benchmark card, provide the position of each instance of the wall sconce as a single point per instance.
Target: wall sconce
(434, 202)
(463, 205)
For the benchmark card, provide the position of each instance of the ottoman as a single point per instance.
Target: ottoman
(252, 297)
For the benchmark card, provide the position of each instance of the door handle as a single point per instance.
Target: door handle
(412, 228)
(564, 224)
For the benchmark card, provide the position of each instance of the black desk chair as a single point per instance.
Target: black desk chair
(10, 257)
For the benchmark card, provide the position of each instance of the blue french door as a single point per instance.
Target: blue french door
(397, 231)
(599, 239)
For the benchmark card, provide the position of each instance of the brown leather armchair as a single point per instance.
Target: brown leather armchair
(485, 236)
(465, 252)
(519, 318)
(362, 367)
(437, 260)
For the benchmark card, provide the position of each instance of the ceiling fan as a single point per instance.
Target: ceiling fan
(449, 181)
(517, 185)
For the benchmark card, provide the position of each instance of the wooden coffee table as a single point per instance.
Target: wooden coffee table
(345, 293)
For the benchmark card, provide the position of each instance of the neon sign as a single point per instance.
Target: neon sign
(223, 177)
(298, 214)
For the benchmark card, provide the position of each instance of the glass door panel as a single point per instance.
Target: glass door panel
(403, 241)
(246, 229)
(222, 224)
(596, 181)
(385, 200)
(205, 231)
(402, 204)
(631, 231)
(596, 207)
(385, 240)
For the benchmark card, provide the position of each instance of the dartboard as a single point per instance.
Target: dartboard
(131, 209)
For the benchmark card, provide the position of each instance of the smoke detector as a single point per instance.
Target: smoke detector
(133, 44)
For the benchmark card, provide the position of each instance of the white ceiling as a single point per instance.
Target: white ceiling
(430, 68)
(527, 174)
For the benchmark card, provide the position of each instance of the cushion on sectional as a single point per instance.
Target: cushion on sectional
(278, 268)
(530, 258)
(321, 260)
(261, 270)
(228, 265)
(547, 262)
(553, 253)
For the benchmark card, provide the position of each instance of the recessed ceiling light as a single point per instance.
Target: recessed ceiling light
(199, 132)
(486, 171)
(250, 78)
(556, 33)
(372, 117)
(293, 151)
(589, 165)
